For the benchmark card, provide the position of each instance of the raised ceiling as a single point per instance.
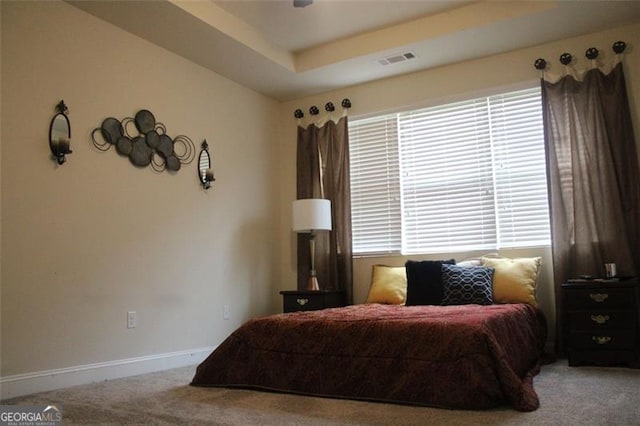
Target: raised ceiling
(287, 53)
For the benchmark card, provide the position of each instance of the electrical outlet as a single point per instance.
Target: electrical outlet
(225, 311)
(132, 319)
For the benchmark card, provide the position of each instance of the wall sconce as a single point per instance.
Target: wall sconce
(310, 216)
(205, 173)
(60, 133)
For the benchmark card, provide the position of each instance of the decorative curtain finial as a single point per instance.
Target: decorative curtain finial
(540, 64)
(619, 47)
(328, 107)
(591, 53)
(566, 58)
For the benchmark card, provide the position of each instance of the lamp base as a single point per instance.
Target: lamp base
(312, 285)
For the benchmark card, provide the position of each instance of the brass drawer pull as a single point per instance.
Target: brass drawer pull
(302, 302)
(601, 340)
(600, 319)
(598, 297)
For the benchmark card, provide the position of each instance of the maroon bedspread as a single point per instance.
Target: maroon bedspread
(462, 357)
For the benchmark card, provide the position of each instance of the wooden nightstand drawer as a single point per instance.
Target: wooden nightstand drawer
(602, 320)
(606, 339)
(294, 301)
(300, 302)
(600, 298)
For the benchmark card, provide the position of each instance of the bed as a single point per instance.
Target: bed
(458, 357)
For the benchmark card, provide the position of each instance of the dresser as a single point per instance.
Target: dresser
(307, 300)
(602, 322)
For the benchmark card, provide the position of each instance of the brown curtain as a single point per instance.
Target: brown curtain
(593, 177)
(323, 172)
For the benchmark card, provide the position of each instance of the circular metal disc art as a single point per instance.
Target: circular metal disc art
(165, 147)
(141, 153)
(124, 146)
(111, 130)
(145, 121)
(173, 163)
(152, 138)
(151, 146)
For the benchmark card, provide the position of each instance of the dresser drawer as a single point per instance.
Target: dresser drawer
(606, 339)
(602, 320)
(600, 298)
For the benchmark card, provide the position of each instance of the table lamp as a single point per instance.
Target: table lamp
(309, 216)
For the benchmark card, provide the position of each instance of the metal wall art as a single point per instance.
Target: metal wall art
(205, 172)
(60, 134)
(152, 146)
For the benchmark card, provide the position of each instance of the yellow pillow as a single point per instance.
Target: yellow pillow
(388, 285)
(514, 280)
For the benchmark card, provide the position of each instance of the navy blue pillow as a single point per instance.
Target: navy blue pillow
(465, 285)
(424, 281)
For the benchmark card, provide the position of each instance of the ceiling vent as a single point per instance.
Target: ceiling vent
(394, 59)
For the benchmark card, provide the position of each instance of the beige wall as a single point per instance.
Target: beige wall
(85, 242)
(510, 70)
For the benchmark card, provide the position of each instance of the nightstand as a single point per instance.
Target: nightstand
(602, 322)
(305, 300)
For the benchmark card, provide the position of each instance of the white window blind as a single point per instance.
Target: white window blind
(447, 178)
(375, 185)
(463, 176)
(517, 136)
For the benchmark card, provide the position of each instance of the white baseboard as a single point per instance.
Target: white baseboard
(40, 381)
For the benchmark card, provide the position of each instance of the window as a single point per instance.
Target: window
(463, 176)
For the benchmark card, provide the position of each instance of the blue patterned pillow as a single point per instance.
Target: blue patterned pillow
(465, 285)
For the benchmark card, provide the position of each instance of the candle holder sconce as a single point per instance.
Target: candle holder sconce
(205, 172)
(60, 134)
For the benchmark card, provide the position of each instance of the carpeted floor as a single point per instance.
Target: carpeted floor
(568, 396)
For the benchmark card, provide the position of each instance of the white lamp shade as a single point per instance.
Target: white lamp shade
(313, 214)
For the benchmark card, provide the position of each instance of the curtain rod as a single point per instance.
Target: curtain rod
(591, 54)
(329, 107)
